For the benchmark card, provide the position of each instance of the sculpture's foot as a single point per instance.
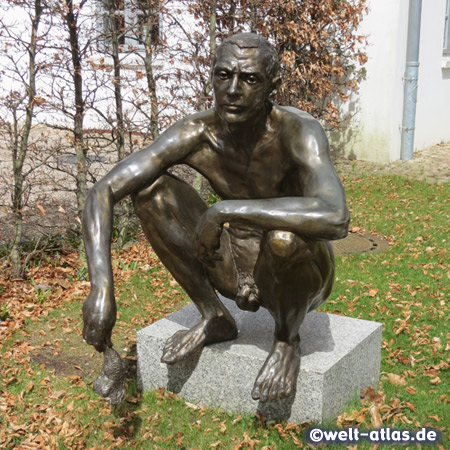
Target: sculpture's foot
(185, 342)
(278, 376)
(110, 384)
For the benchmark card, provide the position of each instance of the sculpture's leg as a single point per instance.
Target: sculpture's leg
(169, 211)
(293, 277)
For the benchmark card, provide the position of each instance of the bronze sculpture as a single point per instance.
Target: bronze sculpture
(264, 244)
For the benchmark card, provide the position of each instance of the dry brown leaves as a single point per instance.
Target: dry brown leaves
(376, 411)
(22, 300)
(48, 425)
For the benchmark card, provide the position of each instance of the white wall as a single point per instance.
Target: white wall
(375, 133)
(433, 98)
(376, 125)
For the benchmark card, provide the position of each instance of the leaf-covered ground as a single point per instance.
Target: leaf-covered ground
(46, 371)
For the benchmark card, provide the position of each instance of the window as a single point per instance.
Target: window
(446, 50)
(136, 23)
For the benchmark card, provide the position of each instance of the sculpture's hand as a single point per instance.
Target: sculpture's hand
(99, 317)
(207, 241)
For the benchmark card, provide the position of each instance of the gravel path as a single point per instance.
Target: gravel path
(431, 165)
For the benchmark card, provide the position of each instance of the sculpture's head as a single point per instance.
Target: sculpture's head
(245, 73)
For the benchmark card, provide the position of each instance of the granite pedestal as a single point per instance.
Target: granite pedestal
(340, 356)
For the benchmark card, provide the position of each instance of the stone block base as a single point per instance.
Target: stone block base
(340, 356)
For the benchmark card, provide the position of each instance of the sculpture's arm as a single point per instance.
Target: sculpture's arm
(321, 213)
(129, 176)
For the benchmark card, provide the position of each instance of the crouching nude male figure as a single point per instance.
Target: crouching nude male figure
(264, 244)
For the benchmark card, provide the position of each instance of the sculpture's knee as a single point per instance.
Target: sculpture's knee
(288, 247)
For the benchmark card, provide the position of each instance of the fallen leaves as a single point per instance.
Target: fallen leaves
(30, 387)
(223, 427)
(375, 418)
(247, 442)
(434, 417)
(20, 296)
(411, 406)
(395, 379)
(369, 395)
(42, 429)
(377, 411)
(355, 416)
(403, 325)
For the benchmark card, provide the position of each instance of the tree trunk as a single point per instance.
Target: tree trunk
(117, 82)
(212, 28)
(21, 146)
(199, 181)
(122, 209)
(80, 148)
(212, 44)
(253, 18)
(149, 43)
(232, 16)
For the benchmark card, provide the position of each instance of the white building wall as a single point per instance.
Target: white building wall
(433, 99)
(375, 131)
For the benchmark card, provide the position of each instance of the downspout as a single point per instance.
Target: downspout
(410, 80)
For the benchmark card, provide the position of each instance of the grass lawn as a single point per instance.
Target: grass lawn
(46, 371)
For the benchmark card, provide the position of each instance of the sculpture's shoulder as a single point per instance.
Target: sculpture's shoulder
(192, 127)
(198, 120)
(290, 117)
(300, 130)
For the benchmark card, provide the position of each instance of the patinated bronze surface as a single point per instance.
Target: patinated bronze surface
(264, 244)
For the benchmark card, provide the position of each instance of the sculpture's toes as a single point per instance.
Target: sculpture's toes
(278, 376)
(261, 387)
(286, 390)
(275, 388)
(264, 379)
(172, 348)
(183, 343)
(256, 391)
(282, 390)
(265, 392)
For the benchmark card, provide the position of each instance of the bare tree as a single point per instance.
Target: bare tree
(114, 34)
(18, 104)
(70, 18)
(70, 88)
(149, 40)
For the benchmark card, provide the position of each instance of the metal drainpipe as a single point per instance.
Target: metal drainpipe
(410, 80)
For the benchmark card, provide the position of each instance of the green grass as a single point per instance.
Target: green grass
(405, 288)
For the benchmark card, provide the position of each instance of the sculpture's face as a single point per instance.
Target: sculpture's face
(241, 86)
